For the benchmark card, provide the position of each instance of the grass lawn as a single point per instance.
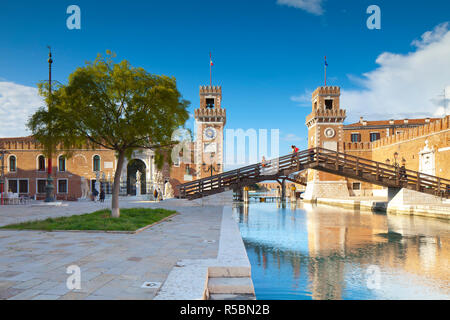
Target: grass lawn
(130, 220)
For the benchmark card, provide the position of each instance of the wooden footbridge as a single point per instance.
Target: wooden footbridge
(338, 163)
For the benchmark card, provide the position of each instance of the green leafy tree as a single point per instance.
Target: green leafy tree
(115, 106)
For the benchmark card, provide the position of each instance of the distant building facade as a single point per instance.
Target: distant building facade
(421, 144)
(25, 165)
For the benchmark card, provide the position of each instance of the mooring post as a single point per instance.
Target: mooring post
(238, 194)
(246, 197)
(283, 190)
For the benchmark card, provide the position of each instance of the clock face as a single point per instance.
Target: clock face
(209, 133)
(329, 133)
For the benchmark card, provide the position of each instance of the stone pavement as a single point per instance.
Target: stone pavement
(113, 266)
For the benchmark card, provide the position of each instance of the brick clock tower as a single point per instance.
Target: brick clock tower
(325, 130)
(210, 121)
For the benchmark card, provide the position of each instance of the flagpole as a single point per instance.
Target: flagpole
(210, 70)
(325, 71)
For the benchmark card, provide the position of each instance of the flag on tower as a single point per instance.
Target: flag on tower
(326, 64)
(210, 60)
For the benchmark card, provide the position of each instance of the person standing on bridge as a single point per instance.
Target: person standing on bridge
(294, 154)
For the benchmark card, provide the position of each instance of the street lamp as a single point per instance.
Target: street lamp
(2, 179)
(49, 187)
(395, 159)
(211, 168)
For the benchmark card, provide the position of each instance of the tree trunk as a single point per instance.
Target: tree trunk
(115, 209)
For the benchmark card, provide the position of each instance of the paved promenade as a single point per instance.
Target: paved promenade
(113, 266)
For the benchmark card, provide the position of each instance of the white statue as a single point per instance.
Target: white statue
(138, 183)
(84, 188)
(138, 177)
(168, 191)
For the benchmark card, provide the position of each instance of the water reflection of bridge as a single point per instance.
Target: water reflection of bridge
(356, 240)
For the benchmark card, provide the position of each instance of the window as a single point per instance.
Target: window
(356, 137)
(328, 104)
(62, 163)
(356, 186)
(41, 163)
(23, 186)
(12, 164)
(374, 136)
(12, 186)
(18, 185)
(62, 186)
(41, 183)
(96, 163)
(210, 103)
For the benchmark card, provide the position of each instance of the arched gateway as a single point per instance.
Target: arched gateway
(133, 167)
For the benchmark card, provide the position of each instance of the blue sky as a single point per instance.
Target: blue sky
(268, 54)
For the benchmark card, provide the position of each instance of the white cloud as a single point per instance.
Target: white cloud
(311, 6)
(291, 137)
(17, 104)
(405, 85)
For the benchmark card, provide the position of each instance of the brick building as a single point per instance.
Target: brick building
(25, 166)
(421, 144)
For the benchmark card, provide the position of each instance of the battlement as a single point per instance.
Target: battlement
(210, 115)
(412, 133)
(327, 91)
(210, 90)
(321, 114)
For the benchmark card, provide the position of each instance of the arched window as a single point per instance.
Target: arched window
(41, 163)
(12, 164)
(62, 163)
(96, 163)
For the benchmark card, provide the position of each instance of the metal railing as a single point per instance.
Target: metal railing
(323, 160)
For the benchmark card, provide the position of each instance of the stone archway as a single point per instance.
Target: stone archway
(133, 167)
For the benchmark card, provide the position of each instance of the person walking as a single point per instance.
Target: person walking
(102, 195)
(295, 150)
(94, 195)
(403, 175)
(160, 196)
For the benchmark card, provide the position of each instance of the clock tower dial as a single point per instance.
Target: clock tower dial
(210, 121)
(209, 133)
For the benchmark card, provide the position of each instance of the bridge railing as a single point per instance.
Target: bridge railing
(399, 176)
(381, 173)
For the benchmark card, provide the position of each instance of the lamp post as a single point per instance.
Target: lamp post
(395, 159)
(2, 179)
(49, 187)
(211, 168)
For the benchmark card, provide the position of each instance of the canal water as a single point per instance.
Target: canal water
(305, 252)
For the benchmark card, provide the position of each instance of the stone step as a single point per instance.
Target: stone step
(223, 296)
(231, 286)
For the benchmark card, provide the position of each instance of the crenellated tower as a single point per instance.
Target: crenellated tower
(210, 121)
(325, 130)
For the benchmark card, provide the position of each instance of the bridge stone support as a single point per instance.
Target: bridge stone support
(238, 194)
(403, 196)
(392, 192)
(325, 189)
(283, 189)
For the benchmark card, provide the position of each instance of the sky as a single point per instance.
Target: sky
(268, 55)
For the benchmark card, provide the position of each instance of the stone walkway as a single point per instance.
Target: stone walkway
(113, 266)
